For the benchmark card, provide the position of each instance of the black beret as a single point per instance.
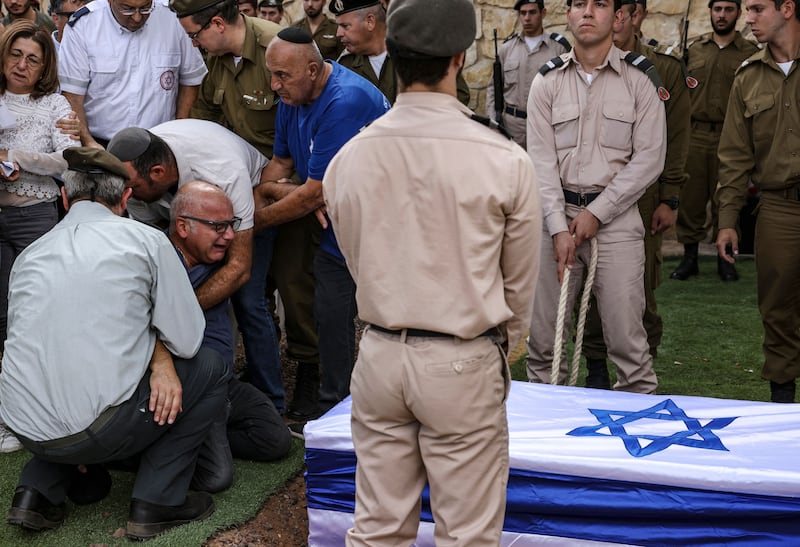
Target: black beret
(737, 2)
(338, 7)
(415, 28)
(94, 160)
(521, 3)
(295, 36)
(270, 4)
(184, 8)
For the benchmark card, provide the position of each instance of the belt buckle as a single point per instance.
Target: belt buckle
(583, 201)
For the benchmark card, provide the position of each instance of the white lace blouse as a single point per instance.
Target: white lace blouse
(35, 143)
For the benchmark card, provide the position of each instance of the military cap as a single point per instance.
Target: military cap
(84, 159)
(270, 4)
(521, 3)
(184, 8)
(415, 29)
(129, 143)
(338, 7)
(737, 2)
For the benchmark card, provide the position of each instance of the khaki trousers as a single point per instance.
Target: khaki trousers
(778, 278)
(619, 290)
(429, 410)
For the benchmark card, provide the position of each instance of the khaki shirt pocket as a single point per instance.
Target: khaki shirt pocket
(510, 75)
(759, 111)
(565, 125)
(616, 129)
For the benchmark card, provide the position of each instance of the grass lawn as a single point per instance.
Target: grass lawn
(712, 335)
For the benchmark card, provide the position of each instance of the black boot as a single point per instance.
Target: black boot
(306, 393)
(688, 266)
(726, 270)
(782, 393)
(597, 374)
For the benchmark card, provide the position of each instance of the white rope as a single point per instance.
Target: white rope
(559, 345)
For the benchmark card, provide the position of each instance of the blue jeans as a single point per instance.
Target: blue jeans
(335, 312)
(19, 227)
(255, 323)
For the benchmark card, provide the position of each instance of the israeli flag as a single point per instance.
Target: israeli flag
(593, 467)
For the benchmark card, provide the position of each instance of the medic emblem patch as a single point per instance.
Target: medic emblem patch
(167, 80)
(691, 83)
(663, 94)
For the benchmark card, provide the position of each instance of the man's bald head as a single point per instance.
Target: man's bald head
(299, 72)
(201, 223)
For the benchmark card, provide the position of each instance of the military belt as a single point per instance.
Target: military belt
(792, 192)
(516, 112)
(579, 198)
(711, 127)
(422, 333)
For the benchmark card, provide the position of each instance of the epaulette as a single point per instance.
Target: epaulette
(561, 40)
(511, 37)
(555, 62)
(643, 63)
(491, 124)
(77, 15)
(674, 53)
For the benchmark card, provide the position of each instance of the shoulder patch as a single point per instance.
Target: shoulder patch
(555, 62)
(673, 53)
(491, 124)
(643, 63)
(77, 15)
(561, 39)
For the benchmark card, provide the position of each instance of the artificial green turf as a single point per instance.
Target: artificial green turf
(96, 524)
(712, 335)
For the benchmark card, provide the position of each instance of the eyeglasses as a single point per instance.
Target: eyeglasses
(193, 36)
(130, 12)
(31, 61)
(220, 226)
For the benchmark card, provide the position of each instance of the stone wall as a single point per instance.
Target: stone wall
(664, 23)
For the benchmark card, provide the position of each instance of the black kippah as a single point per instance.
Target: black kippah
(295, 36)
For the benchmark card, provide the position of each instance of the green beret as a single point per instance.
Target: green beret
(415, 28)
(94, 160)
(184, 8)
(338, 7)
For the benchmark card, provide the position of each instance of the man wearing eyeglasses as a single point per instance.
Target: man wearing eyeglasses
(61, 11)
(174, 153)
(127, 63)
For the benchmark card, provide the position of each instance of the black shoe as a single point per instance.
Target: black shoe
(89, 487)
(32, 510)
(147, 519)
(726, 270)
(296, 430)
(306, 393)
(688, 265)
(782, 393)
(597, 374)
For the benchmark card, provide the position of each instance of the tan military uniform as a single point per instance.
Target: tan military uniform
(520, 65)
(413, 394)
(612, 142)
(761, 141)
(328, 43)
(667, 187)
(239, 96)
(713, 68)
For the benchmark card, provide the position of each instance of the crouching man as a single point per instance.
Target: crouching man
(102, 360)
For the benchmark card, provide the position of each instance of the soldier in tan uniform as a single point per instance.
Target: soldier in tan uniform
(362, 29)
(597, 136)
(430, 382)
(713, 60)
(760, 141)
(521, 56)
(322, 28)
(658, 205)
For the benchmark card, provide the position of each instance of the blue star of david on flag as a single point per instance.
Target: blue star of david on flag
(695, 435)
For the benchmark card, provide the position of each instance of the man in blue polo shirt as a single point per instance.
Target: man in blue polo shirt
(323, 105)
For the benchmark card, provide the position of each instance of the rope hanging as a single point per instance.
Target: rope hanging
(559, 345)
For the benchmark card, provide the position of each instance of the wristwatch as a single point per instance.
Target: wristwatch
(671, 202)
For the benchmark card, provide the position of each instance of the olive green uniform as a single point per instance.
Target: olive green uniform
(667, 187)
(239, 96)
(713, 67)
(328, 43)
(386, 81)
(760, 141)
